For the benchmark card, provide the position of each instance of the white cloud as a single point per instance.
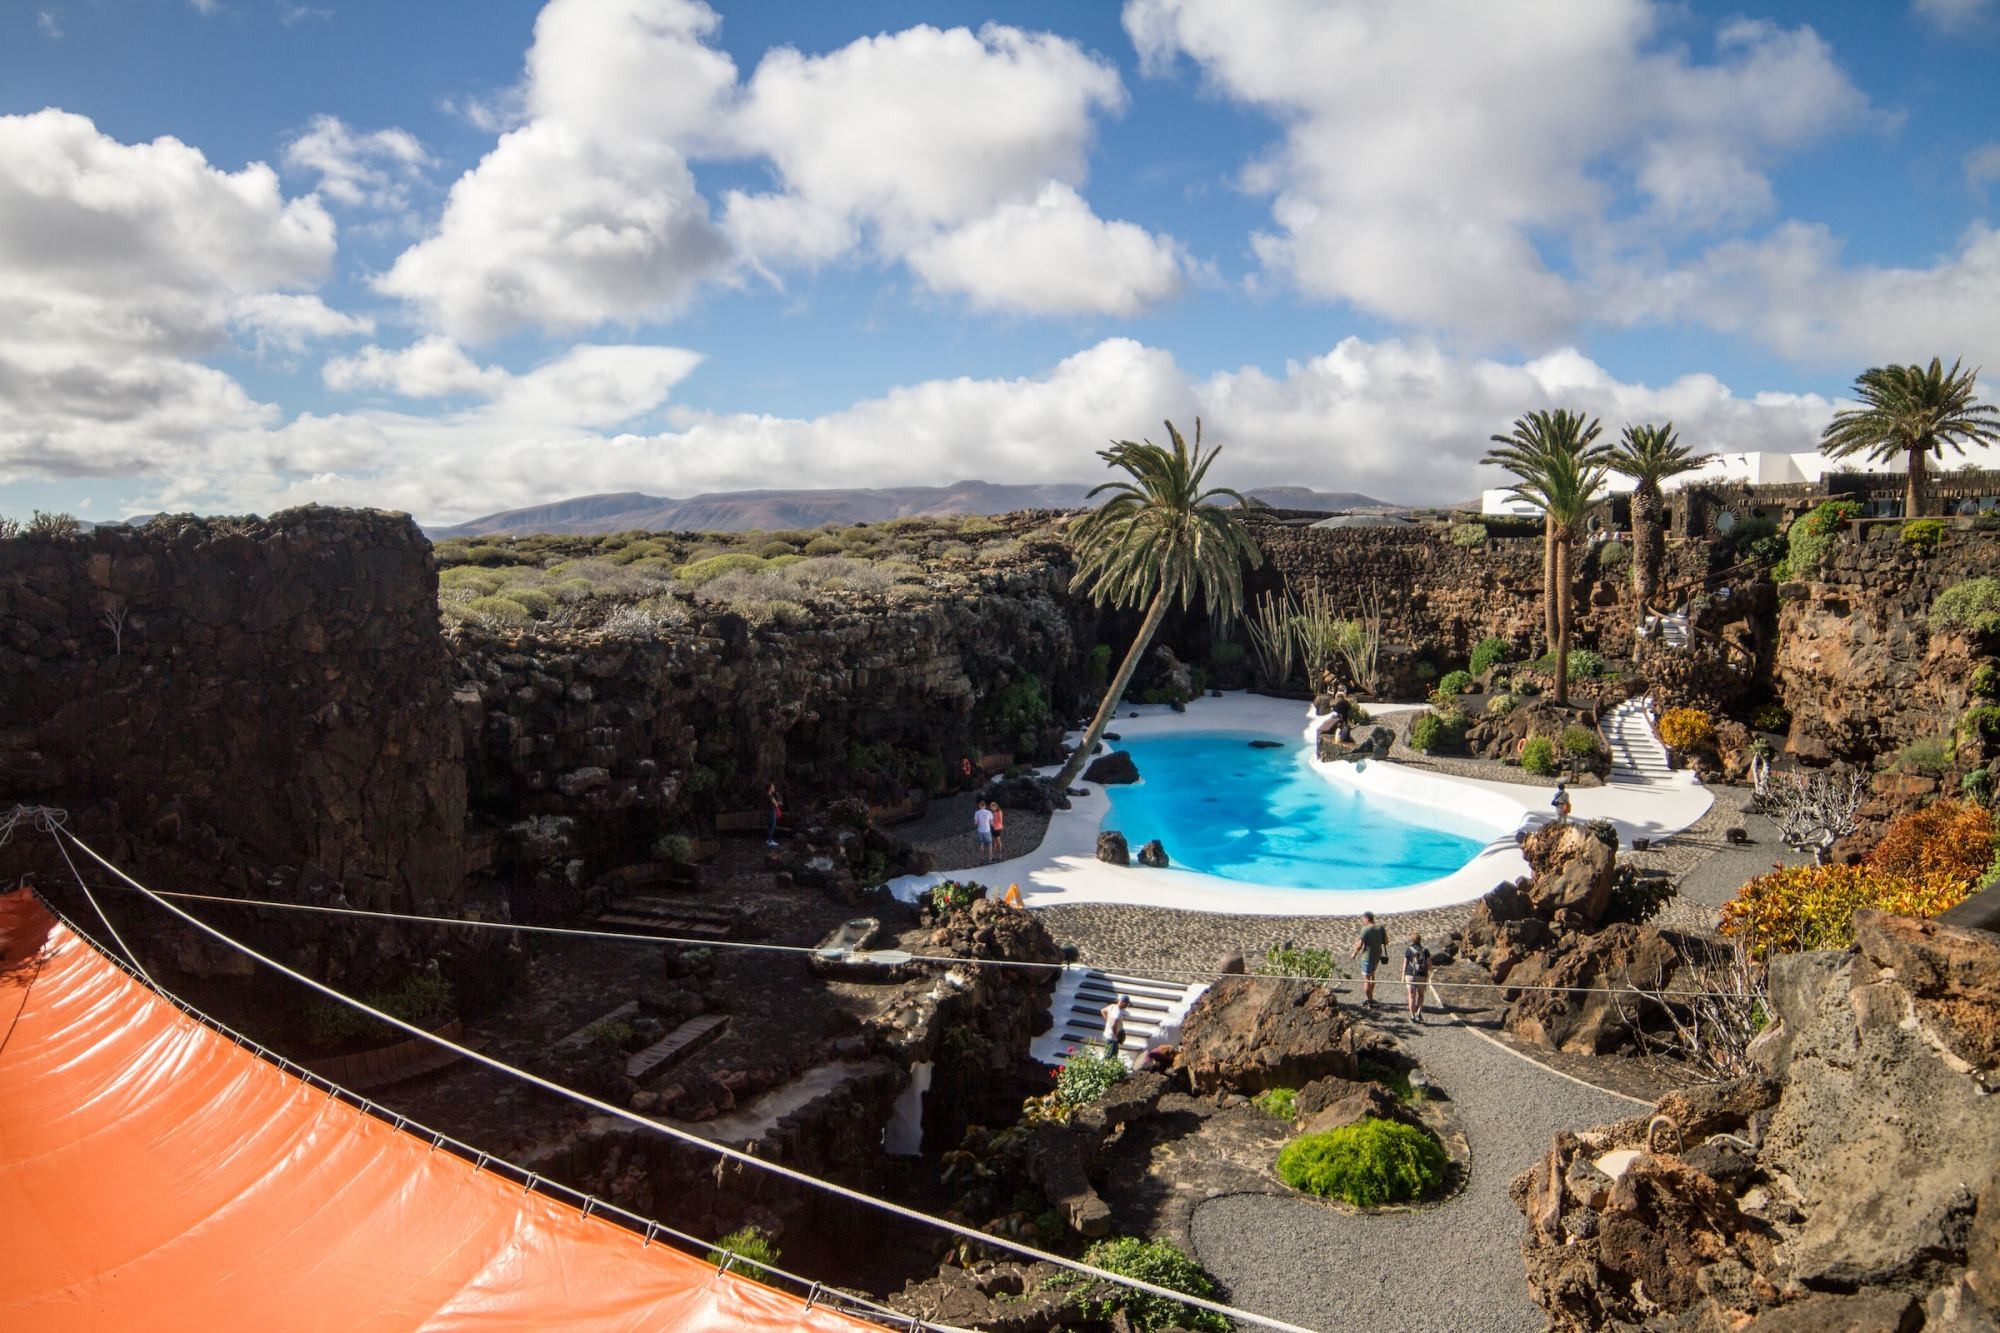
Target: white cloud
(291, 15)
(205, 7)
(1982, 166)
(118, 264)
(374, 170)
(1472, 168)
(587, 213)
(1953, 15)
(1401, 419)
(50, 22)
(1051, 255)
(958, 152)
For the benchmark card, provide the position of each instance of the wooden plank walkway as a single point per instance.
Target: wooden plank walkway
(677, 1045)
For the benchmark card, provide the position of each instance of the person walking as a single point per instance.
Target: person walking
(1417, 974)
(777, 811)
(999, 833)
(1373, 951)
(1560, 802)
(982, 830)
(1114, 1025)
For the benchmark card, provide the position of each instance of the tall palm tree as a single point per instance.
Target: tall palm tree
(1523, 452)
(1650, 455)
(1561, 471)
(1913, 411)
(1159, 536)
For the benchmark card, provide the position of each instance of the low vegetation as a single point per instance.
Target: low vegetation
(1488, 653)
(747, 1251)
(1292, 960)
(1438, 730)
(1538, 756)
(1158, 1262)
(1279, 1103)
(423, 1000)
(1686, 729)
(1368, 1164)
(1801, 908)
(1972, 606)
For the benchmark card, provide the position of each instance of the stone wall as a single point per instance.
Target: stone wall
(628, 738)
(237, 706)
(1856, 663)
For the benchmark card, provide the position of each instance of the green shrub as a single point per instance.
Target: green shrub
(1394, 1078)
(1973, 605)
(1756, 538)
(1538, 756)
(1425, 671)
(1290, 960)
(1580, 743)
(534, 601)
(1013, 715)
(1612, 557)
(498, 611)
(1983, 721)
(1502, 704)
(1771, 717)
(1468, 534)
(1922, 534)
(772, 550)
(1158, 1262)
(1368, 1164)
(1489, 652)
(1097, 666)
(472, 578)
(1279, 1103)
(1977, 785)
(1985, 682)
(952, 896)
(1456, 682)
(610, 1033)
(1584, 664)
(1812, 534)
(1087, 1076)
(752, 1250)
(1926, 754)
(823, 546)
(1438, 730)
(675, 847)
(715, 566)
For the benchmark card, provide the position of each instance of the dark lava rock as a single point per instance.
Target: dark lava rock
(1154, 855)
(1114, 768)
(1111, 848)
(1267, 745)
(1245, 1035)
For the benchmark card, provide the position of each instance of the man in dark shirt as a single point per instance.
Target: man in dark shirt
(1373, 950)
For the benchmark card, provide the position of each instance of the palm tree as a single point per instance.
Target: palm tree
(1915, 412)
(1650, 455)
(1159, 536)
(1561, 473)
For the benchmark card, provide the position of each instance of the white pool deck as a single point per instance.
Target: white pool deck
(1065, 868)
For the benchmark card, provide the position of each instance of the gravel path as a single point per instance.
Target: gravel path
(1453, 1267)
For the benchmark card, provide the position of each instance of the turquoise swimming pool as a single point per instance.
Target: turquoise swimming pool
(1263, 816)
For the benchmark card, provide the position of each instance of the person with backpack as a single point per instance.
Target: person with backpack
(1417, 974)
(1373, 951)
(1560, 803)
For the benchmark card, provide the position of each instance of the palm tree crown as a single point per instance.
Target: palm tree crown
(1914, 411)
(1159, 537)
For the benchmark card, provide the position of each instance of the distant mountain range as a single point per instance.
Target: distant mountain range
(742, 511)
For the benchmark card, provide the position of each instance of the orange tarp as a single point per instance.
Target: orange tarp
(155, 1175)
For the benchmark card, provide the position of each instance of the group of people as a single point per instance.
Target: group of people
(989, 827)
(1373, 951)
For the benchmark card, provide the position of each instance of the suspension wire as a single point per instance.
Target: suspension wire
(53, 821)
(643, 1228)
(691, 1139)
(1191, 976)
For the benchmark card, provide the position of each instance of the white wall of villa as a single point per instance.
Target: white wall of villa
(1753, 468)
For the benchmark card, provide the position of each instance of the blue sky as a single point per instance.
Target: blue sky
(451, 257)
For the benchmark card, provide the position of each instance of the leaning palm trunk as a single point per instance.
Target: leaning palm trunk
(1549, 583)
(1649, 545)
(1114, 691)
(1913, 488)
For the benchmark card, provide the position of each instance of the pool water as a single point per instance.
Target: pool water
(1263, 816)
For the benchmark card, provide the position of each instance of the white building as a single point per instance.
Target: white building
(1757, 468)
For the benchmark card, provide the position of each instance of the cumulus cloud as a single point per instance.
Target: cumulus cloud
(1982, 166)
(119, 263)
(374, 170)
(1953, 15)
(1470, 168)
(587, 213)
(1051, 254)
(1401, 419)
(957, 151)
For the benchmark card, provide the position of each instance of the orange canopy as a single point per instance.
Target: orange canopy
(155, 1175)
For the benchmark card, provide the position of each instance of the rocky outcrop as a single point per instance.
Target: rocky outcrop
(1154, 855)
(1857, 665)
(1112, 849)
(1112, 769)
(248, 706)
(1854, 1188)
(1247, 1035)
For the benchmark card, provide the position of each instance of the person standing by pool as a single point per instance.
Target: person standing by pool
(1373, 951)
(1417, 974)
(999, 832)
(982, 830)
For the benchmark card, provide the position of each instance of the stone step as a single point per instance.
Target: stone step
(666, 926)
(677, 1045)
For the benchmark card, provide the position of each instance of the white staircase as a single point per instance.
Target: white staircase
(1154, 1014)
(1636, 753)
(1671, 630)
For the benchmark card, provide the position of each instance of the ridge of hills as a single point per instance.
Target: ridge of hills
(742, 511)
